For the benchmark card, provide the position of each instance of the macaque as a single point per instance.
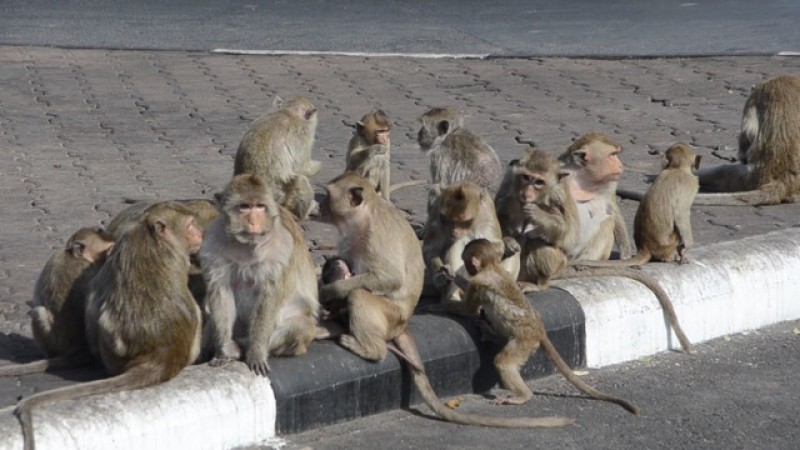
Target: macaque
(595, 168)
(662, 228)
(277, 147)
(262, 289)
(769, 152)
(388, 271)
(492, 290)
(455, 154)
(458, 214)
(59, 303)
(141, 320)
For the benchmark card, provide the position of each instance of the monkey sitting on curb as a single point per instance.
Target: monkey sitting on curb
(492, 290)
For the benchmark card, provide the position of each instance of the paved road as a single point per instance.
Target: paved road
(738, 392)
(507, 28)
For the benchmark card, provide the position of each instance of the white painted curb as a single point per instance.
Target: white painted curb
(727, 288)
(201, 408)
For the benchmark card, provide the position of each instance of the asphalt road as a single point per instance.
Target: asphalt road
(738, 392)
(503, 28)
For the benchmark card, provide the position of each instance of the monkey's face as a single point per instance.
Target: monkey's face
(529, 186)
(192, 235)
(251, 221)
(601, 162)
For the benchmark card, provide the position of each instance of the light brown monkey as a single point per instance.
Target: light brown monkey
(277, 147)
(595, 168)
(59, 303)
(262, 290)
(536, 209)
(662, 228)
(514, 320)
(141, 320)
(768, 172)
(369, 152)
(547, 228)
(455, 153)
(388, 271)
(458, 214)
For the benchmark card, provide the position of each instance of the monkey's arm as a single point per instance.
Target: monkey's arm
(382, 282)
(262, 325)
(548, 226)
(620, 230)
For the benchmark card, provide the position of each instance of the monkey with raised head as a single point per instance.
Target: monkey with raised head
(277, 147)
(768, 172)
(544, 217)
(594, 169)
(262, 289)
(388, 270)
(457, 214)
(455, 153)
(492, 290)
(141, 320)
(662, 228)
(59, 303)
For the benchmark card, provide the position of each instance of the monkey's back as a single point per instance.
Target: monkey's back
(268, 148)
(464, 156)
(505, 306)
(670, 196)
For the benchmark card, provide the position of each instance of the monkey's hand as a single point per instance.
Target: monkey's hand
(511, 245)
(229, 352)
(257, 363)
(531, 210)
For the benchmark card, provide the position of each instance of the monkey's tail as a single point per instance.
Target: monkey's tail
(406, 344)
(642, 257)
(406, 184)
(43, 365)
(134, 378)
(660, 293)
(764, 196)
(630, 195)
(582, 386)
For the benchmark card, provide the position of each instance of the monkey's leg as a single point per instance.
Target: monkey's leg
(508, 364)
(372, 319)
(292, 336)
(42, 327)
(600, 244)
(222, 309)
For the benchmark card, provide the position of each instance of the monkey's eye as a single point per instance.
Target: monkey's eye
(538, 183)
(260, 206)
(310, 113)
(244, 207)
(525, 177)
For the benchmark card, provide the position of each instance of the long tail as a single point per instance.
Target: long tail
(638, 259)
(406, 184)
(652, 284)
(44, 365)
(582, 386)
(406, 344)
(630, 195)
(132, 379)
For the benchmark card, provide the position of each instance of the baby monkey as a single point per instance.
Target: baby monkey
(512, 318)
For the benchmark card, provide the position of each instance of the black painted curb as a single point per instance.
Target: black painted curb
(331, 385)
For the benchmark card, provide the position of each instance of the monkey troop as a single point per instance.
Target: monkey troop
(151, 294)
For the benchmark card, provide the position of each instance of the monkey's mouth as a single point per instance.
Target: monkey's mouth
(251, 238)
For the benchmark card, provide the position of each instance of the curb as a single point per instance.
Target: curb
(729, 287)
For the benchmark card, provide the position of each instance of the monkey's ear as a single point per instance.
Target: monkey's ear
(356, 196)
(277, 102)
(443, 127)
(697, 162)
(583, 156)
(77, 248)
(358, 126)
(160, 227)
(562, 175)
(514, 163)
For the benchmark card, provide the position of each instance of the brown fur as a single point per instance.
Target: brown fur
(261, 279)
(455, 153)
(59, 303)
(458, 214)
(594, 167)
(513, 319)
(388, 273)
(277, 147)
(141, 320)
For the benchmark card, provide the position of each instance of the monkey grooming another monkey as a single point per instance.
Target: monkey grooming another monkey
(662, 228)
(369, 152)
(141, 320)
(769, 152)
(277, 147)
(513, 318)
(455, 153)
(59, 303)
(262, 286)
(388, 270)
(458, 214)
(595, 168)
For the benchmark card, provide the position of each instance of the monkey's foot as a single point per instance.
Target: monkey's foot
(328, 329)
(350, 343)
(259, 367)
(219, 361)
(526, 286)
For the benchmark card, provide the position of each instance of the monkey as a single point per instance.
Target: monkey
(369, 152)
(511, 316)
(595, 168)
(455, 154)
(277, 147)
(662, 228)
(768, 153)
(262, 290)
(388, 271)
(204, 210)
(141, 320)
(548, 227)
(457, 214)
(59, 301)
